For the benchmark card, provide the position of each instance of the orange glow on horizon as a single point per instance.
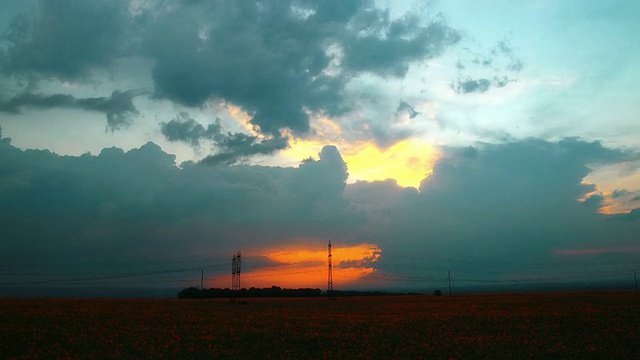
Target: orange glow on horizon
(305, 268)
(597, 251)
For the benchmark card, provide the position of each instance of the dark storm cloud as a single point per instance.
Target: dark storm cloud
(185, 129)
(122, 205)
(330, 168)
(65, 39)
(238, 146)
(404, 106)
(633, 215)
(481, 205)
(390, 46)
(278, 60)
(232, 146)
(118, 108)
(479, 85)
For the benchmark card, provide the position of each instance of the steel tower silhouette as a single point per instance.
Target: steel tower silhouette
(236, 267)
(330, 277)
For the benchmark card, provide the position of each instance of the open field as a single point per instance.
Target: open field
(538, 326)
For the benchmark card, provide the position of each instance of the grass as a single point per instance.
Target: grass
(603, 325)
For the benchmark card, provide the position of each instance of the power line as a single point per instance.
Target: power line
(528, 272)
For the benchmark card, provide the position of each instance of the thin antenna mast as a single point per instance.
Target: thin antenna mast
(330, 275)
(202, 280)
(233, 272)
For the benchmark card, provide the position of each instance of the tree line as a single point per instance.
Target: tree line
(274, 291)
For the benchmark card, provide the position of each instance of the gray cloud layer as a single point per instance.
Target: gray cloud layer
(66, 39)
(482, 205)
(118, 108)
(232, 147)
(274, 59)
(277, 60)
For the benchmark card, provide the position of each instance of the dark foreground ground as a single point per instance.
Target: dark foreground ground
(522, 326)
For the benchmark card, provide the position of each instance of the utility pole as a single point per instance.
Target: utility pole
(330, 274)
(635, 278)
(202, 280)
(449, 272)
(234, 265)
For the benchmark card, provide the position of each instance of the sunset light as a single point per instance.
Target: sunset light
(143, 143)
(298, 267)
(608, 180)
(407, 162)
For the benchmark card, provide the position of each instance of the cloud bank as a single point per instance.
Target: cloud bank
(118, 108)
(278, 61)
(481, 205)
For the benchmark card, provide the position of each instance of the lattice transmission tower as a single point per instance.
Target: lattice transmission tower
(236, 269)
(330, 275)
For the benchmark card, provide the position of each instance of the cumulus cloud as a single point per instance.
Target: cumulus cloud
(327, 176)
(232, 147)
(481, 205)
(138, 202)
(279, 61)
(488, 203)
(66, 39)
(238, 146)
(118, 107)
(185, 129)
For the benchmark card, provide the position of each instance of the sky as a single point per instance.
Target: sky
(142, 141)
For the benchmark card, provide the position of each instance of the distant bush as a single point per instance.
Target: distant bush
(437, 292)
(190, 293)
(274, 291)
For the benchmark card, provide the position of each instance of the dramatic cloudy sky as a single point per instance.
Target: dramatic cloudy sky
(144, 140)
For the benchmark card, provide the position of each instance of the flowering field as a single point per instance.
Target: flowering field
(555, 325)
